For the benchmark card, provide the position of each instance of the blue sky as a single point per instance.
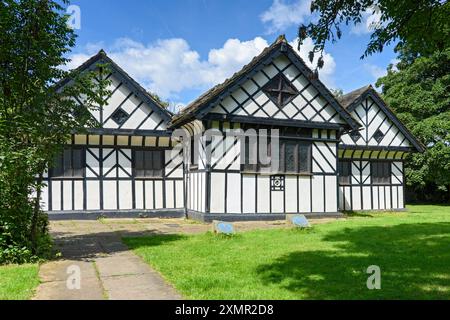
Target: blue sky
(180, 48)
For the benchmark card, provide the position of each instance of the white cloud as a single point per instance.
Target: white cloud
(327, 72)
(375, 71)
(394, 63)
(170, 67)
(76, 60)
(233, 56)
(370, 22)
(79, 58)
(282, 15)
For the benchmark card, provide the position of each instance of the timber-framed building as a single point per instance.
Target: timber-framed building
(336, 155)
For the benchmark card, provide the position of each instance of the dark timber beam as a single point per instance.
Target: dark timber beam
(127, 132)
(271, 121)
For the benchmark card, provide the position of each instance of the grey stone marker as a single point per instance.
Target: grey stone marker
(298, 220)
(222, 227)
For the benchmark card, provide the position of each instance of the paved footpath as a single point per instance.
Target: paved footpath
(107, 269)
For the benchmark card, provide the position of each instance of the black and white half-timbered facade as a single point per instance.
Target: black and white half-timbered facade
(125, 165)
(372, 159)
(269, 141)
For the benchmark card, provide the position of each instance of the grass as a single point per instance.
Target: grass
(328, 261)
(18, 282)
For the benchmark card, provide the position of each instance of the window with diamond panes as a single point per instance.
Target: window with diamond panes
(378, 136)
(119, 116)
(280, 90)
(355, 135)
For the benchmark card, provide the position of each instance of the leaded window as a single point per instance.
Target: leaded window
(280, 90)
(251, 156)
(378, 136)
(295, 157)
(120, 116)
(355, 135)
(345, 172)
(69, 164)
(148, 163)
(381, 172)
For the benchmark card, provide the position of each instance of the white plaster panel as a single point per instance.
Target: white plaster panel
(291, 194)
(263, 194)
(234, 193)
(217, 192)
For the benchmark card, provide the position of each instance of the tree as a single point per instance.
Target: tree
(37, 116)
(422, 25)
(418, 90)
(165, 104)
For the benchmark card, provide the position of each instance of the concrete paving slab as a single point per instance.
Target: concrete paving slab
(54, 282)
(57, 290)
(120, 264)
(139, 287)
(58, 270)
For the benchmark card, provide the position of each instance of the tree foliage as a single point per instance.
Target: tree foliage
(37, 116)
(163, 103)
(421, 24)
(418, 90)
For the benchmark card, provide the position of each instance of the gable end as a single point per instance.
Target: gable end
(202, 107)
(371, 93)
(102, 58)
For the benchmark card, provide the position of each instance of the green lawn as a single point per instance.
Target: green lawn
(327, 262)
(18, 282)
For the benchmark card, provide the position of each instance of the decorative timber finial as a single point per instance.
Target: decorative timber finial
(284, 43)
(281, 38)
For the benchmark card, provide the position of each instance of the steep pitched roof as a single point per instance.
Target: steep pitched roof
(350, 97)
(351, 100)
(102, 58)
(205, 102)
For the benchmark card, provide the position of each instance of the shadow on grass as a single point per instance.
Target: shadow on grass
(91, 244)
(428, 204)
(137, 242)
(358, 214)
(414, 261)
